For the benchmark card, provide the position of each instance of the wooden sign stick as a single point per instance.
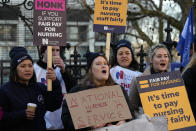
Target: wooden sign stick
(49, 65)
(107, 51)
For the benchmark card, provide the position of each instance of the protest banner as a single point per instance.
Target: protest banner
(164, 94)
(110, 17)
(49, 26)
(98, 105)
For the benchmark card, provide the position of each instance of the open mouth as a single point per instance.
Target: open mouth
(163, 64)
(104, 71)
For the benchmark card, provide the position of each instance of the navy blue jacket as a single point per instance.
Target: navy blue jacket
(13, 101)
(190, 83)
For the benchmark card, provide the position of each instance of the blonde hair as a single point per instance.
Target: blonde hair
(191, 63)
(153, 49)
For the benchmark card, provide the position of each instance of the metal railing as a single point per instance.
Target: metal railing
(76, 65)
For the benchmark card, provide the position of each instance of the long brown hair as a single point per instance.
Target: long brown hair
(89, 78)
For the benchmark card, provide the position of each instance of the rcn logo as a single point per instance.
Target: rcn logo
(120, 75)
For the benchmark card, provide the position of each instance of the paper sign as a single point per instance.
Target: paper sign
(110, 16)
(164, 94)
(98, 105)
(141, 124)
(49, 26)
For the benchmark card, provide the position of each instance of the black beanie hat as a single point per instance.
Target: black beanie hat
(90, 56)
(123, 43)
(17, 55)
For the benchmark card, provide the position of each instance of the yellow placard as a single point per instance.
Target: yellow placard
(172, 103)
(110, 12)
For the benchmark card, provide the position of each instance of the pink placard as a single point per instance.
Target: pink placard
(57, 5)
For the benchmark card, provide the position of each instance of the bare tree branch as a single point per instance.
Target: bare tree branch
(142, 34)
(154, 5)
(157, 13)
(84, 3)
(149, 9)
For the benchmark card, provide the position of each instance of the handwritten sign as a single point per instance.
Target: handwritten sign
(97, 105)
(164, 94)
(49, 22)
(110, 16)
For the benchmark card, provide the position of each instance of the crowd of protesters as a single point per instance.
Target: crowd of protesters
(28, 84)
(98, 76)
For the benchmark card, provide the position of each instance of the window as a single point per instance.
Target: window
(28, 35)
(77, 33)
(8, 32)
(100, 36)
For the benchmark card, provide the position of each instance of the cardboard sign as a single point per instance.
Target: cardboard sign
(98, 105)
(110, 16)
(164, 94)
(49, 26)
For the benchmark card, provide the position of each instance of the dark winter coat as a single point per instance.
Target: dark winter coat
(189, 77)
(13, 101)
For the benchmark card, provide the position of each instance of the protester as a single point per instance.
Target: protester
(22, 89)
(189, 75)
(124, 66)
(193, 46)
(159, 60)
(98, 76)
(53, 119)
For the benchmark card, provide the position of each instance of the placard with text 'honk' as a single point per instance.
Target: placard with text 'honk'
(110, 16)
(164, 94)
(49, 22)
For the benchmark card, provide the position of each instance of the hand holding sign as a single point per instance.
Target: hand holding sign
(57, 61)
(97, 106)
(49, 26)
